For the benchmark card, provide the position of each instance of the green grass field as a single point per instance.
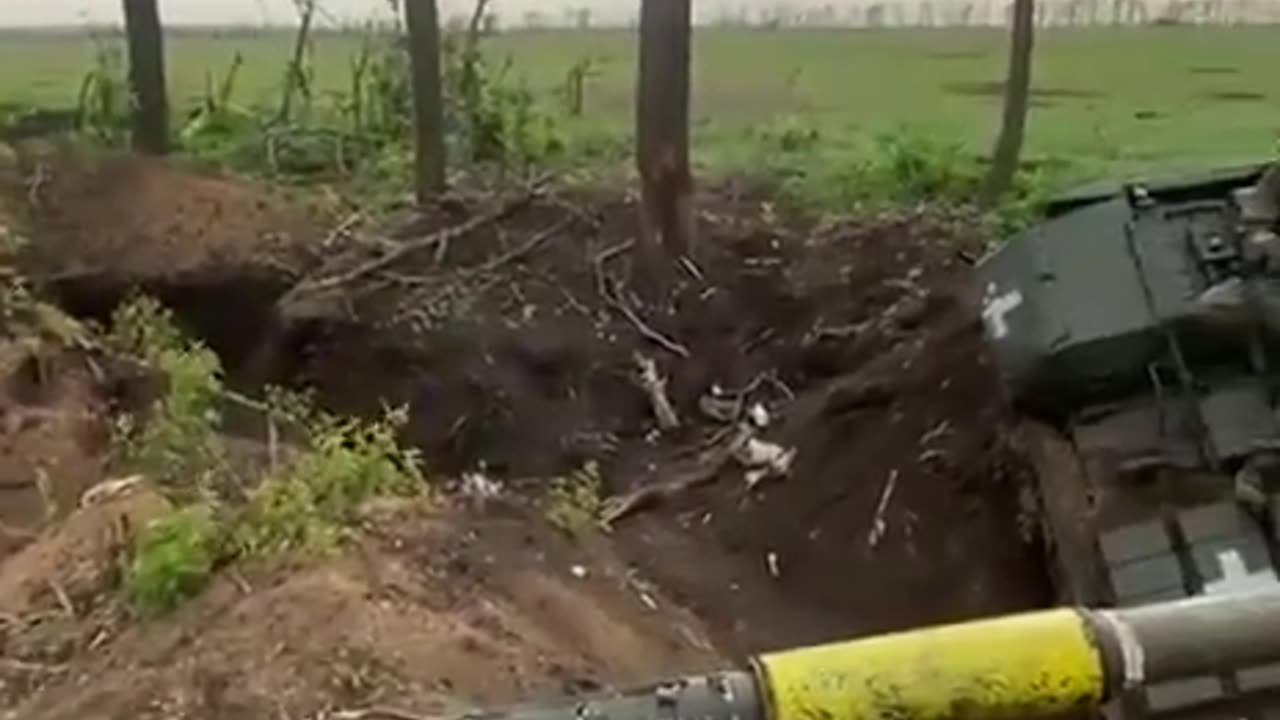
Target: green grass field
(1114, 100)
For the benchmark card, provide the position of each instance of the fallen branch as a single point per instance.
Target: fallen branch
(64, 600)
(521, 250)
(647, 331)
(878, 524)
(379, 713)
(343, 229)
(440, 236)
(611, 252)
(241, 584)
(604, 256)
(13, 664)
(616, 302)
(109, 490)
(707, 468)
(656, 385)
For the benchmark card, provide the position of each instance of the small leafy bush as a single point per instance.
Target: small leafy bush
(574, 502)
(335, 464)
(177, 442)
(174, 557)
(307, 503)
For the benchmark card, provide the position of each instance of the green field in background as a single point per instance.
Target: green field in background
(1108, 99)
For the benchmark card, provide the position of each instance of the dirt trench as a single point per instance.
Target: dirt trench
(515, 349)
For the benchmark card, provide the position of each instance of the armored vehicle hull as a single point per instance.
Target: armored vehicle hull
(1137, 331)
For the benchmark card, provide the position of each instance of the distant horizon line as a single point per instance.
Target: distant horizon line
(179, 26)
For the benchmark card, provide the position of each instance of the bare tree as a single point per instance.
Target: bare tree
(147, 76)
(296, 79)
(925, 16)
(422, 21)
(662, 125)
(1017, 91)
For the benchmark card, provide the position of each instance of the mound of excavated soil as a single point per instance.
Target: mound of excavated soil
(513, 336)
(432, 608)
(221, 248)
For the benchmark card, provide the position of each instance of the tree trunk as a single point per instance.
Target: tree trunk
(662, 126)
(1004, 161)
(150, 105)
(422, 20)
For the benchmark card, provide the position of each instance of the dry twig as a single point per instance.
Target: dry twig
(440, 236)
(645, 330)
(521, 250)
(63, 598)
(343, 228)
(878, 523)
(615, 300)
(13, 664)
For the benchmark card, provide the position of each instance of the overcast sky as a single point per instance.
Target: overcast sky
(203, 12)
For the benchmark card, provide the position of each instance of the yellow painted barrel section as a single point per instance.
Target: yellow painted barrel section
(1021, 666)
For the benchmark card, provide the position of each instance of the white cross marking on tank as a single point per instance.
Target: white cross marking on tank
(1236, 578)
(995, 307)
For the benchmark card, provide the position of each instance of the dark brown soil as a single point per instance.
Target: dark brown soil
(856, 335)
(882, 372)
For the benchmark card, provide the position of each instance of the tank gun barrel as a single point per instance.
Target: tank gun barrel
(1025, 666)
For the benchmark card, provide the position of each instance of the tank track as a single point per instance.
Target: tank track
(1117, 541)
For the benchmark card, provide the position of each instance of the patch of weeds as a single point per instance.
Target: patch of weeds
(309, 501)
(909, 166)
(895, 168)
(898, 168)
(786, 134)
(307, 504)
(332, 466)
(575, 501)
(102, 104)
(173, 559)
(177, 442)
(1023, 205)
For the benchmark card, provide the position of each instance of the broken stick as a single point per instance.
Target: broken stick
(708, 466)
(379, 713)
(656, 385)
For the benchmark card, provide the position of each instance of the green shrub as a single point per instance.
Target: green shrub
(177, 442)
(333, 466)
(574, 502)
(307, 503)
(173, 559)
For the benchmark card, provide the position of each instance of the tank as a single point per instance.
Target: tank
(1136, 330)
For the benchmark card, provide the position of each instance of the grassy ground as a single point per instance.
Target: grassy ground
(1108, 99)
